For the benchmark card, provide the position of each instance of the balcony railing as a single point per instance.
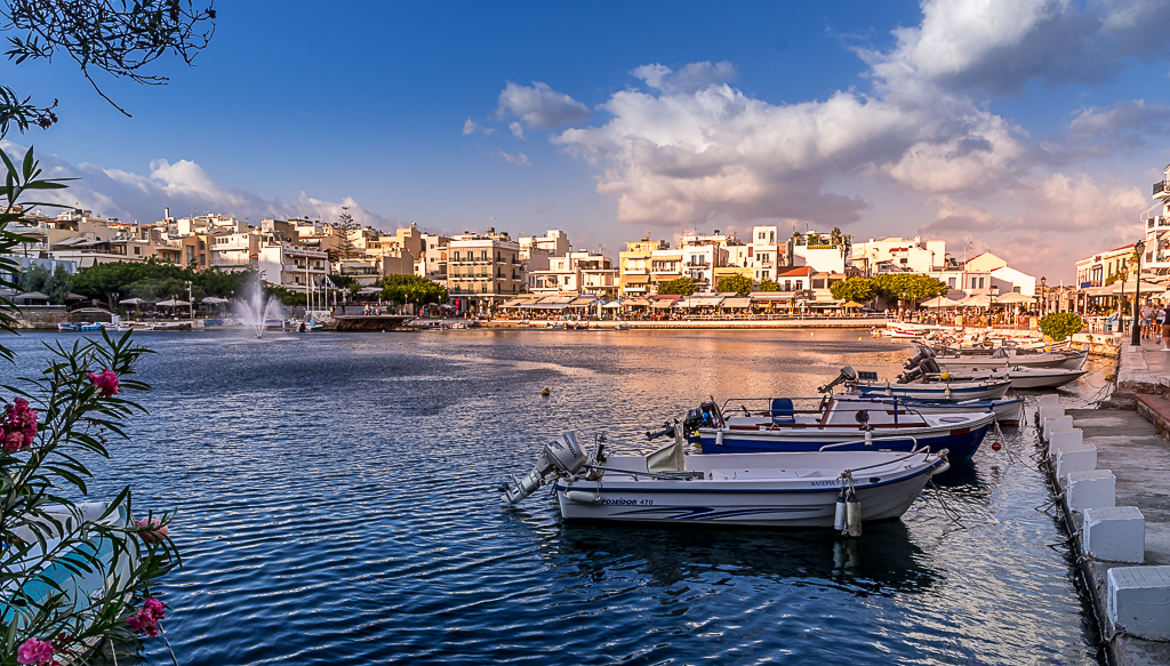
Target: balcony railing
(1162, 187)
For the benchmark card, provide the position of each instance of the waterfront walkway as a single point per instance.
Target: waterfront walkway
(1132, 445)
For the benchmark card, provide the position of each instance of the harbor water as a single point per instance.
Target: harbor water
(336, 504)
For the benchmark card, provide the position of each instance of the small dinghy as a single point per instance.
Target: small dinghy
(1019, 377)
(757, 490)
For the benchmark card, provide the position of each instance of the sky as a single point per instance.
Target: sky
(1033, 129)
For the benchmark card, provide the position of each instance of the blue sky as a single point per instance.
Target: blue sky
(1032, 128)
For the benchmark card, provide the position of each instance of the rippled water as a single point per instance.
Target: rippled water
(336, 504)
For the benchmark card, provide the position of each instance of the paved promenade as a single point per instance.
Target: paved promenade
(1128, 443)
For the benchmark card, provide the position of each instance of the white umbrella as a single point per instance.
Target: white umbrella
(1013, 298)
(133, 301)
(215, 300)
(172, 303)
(976, 301)
(936, 302)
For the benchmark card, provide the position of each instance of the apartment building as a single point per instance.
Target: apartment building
(766, 254)
(1094, 270)
(912, 255)
(577, 273)
(554, 243)
(292, 267)
(483, 270)
(634, 266)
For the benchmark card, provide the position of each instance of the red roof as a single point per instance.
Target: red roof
(797, 272)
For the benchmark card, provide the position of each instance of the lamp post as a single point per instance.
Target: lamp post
(1043, 295)
(190, 301)
(1135, 336)
(993, 292)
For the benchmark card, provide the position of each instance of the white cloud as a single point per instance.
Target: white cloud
(691, 77)
(471, 127)
(183, 186)
(517, 129)
(539, 106)
(1002, 45)
(519, 159)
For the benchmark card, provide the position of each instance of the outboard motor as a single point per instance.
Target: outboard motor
(563, 455)
(909, 375)
(848, 374)
(921, 353)
(929, 366)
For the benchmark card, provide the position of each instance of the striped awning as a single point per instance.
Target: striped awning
(737, 302)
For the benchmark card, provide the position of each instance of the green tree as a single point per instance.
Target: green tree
(402, 289)
(738, 284)
(345, 228)
(35, 278)
(113, 281)
(59, 285)
(683, 286)
(769, 285)
(1061, 325)
(857, 289)
(909, 287)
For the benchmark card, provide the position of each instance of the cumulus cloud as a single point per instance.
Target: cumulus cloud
(517, 129)
(519, 159)
(183, 186)
(539, 106)
(1002, 45)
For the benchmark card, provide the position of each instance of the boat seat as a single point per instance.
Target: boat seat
(782, 411)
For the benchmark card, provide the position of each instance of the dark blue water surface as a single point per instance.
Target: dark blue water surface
(336, 505)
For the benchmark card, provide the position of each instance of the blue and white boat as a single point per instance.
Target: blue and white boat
(938, 390)
(756, 490)
(754, 426)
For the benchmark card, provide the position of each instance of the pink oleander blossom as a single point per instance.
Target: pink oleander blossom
(35, 652)
(152, 530)
(145, 621)
(106, 382)
(19, 428)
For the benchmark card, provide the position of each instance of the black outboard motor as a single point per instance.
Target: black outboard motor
(848, 374)
(929, 366)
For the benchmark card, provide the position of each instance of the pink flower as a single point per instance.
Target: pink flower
(152, 530)
(13, 441)
(145, 621)
(19, 428)
(155, 608)
(106, 381)
(35, 652)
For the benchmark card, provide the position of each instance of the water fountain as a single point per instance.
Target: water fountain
(253, 309)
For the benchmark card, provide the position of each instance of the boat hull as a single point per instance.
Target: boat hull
(719, 498)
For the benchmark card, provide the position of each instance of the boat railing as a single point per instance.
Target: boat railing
(741, 408)
(916, 448)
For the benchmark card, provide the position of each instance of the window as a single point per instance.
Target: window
(951, 282)
(483, 255)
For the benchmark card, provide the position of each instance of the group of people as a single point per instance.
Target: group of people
(1155, 321)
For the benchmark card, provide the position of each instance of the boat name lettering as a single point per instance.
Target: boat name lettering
(834, 482)
(625, 501)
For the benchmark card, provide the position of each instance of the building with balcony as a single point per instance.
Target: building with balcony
(554, 242)
(898, 255)
(483, 270)
(822, 252)
(766, 254)
(292, 267)
(1095, 270)
(634, 266)
(576, 273)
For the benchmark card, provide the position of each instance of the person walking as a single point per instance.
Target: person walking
(1147, 317)
(1163, 318)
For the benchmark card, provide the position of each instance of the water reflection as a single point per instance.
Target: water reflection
(885, 561)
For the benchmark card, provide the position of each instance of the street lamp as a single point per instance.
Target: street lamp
(993, 292)
(1135, 337)
(1043, 295)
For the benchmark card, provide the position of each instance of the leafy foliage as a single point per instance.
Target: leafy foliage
(1061, 325)
(113, 36)
(35, 277)
(412, 289)
(739, 284)
(153, 279)
(854, 289)
(683, 286)
(909, 287)
(769, 285)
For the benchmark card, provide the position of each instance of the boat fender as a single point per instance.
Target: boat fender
(582, 497)
(852, 515)
(839, 512)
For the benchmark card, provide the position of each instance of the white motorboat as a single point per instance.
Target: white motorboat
(1019, 377)
(39, 577)
(754, 489)
(1007, 411)
(1004, 357)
